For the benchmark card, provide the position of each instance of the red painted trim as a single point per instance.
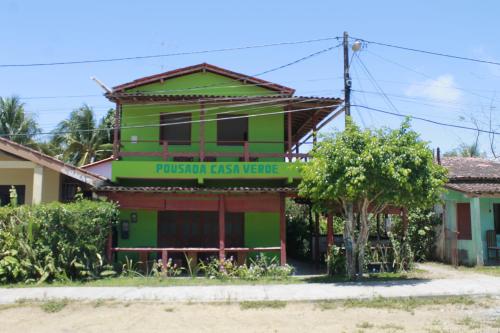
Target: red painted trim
(282, 230)
(289, 134)
(222, 227)
(206, 68)
(202, 131)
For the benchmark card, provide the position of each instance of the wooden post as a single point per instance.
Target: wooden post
(222, 227)
(116, 140)
(109, 246)
(246, 152)
(165, 150)
(202, 131)
(164, 259)
(316, 238)
(404, 217)
(282, 229)
(289, 122)
(329, 228)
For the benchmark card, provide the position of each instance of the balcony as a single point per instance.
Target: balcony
(212, 151)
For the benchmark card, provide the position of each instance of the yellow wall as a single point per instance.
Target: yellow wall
(21, 176)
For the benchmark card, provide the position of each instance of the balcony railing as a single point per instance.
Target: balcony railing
(209, 151)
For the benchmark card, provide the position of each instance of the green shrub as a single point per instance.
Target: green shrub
(261, 267)
(335, 261)
(55, 241)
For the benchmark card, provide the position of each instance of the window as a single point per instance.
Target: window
(232, 131)
(496, 217)
(463, 221)
(178, 134)
(5, 194)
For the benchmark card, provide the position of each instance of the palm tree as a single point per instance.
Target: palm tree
(15, 124)
(82, 139)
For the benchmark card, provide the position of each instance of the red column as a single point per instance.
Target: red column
(222, 229)
(202, 131)
(109, 246)
(116, 140)
(289, 129)
(282, 229)
(329, 228)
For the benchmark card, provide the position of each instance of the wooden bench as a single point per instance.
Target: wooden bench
(491, 242)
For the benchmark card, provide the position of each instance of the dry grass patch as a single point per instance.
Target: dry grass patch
(250, 305)
(54, 306)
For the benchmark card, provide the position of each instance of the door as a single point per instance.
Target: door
(464, 221)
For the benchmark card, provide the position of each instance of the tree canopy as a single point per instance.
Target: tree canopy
(15, 124)
(364, 171)
(82, 138)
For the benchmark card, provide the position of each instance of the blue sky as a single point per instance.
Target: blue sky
(439, 88)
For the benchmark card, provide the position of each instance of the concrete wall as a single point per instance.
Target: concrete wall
(481, 221)
(24, 176)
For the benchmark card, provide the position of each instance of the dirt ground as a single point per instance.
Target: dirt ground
(479, 315)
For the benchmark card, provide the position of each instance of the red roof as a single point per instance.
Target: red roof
(204, 67)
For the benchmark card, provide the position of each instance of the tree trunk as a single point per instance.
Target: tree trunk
(349, 241)
(364, 232)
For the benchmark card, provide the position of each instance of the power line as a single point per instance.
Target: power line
(75, 62)
(376, 85)
(429, 52)
(182, 122)
(299, 60)
(427, 120)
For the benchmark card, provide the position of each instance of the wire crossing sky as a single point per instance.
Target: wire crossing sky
(418, 58)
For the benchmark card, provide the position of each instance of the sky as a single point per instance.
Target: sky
(437, 88)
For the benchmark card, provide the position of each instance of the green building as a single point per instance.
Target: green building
(471, 211)
(203, 160)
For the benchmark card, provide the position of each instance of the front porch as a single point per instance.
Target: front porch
(198, 223)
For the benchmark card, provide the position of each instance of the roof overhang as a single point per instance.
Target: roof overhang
(204, 67)
(49, 162)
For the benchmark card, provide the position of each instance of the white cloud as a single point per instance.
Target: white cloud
(442, 89)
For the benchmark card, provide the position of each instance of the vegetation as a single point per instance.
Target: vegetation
(365, 171)
(54, 305)
(403, 303)
(15, 124)
(251, 305)
(55, 242)
(466, 150)
(82, 139)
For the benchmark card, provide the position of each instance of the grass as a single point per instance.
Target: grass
(139, 281)
(488, 270)
(257, 305)
(469, 322)
(365, 324)
(405, 304)
(54, 306)
(391, 327)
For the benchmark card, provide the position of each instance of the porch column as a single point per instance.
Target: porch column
(222, 227)
(477, 239)
(289, 128)
(329, 228)
(202, 131)
(116, 140)
(37, 185)
(282, 230)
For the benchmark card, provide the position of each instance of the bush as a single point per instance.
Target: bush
(336, 261)
(55, 241)
(422, 233)
(261, 267)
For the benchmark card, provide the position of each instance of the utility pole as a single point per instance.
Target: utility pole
(347, 78)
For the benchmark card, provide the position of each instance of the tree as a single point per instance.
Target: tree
(82, 139)
(15, 124)
(466, 150)
(363, 172)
